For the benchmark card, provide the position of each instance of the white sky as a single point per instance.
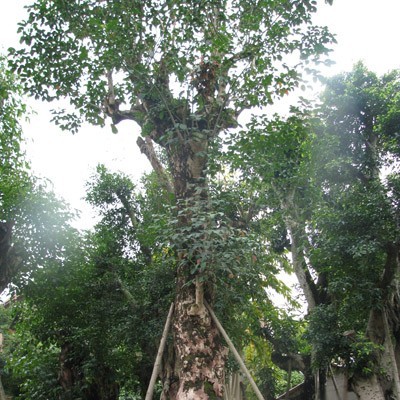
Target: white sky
(366, 30)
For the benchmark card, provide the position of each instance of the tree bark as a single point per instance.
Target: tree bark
(299, 265)
(296, 234)
(236, 354)
(384, 383)
(199, 352)
(368, 389)
(66, 376)
(381, 331)
(391, 357)
(296, 230)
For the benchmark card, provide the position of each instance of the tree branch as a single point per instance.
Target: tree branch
(111, 106)
(146, 147)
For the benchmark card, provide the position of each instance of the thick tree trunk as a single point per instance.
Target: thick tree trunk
(385, 383)
(102, 389)
(2, 393)
(391, 357)
(9, 260)
(368, 389)
(70, 377)
(199, 351)
(299, 265)
(296, 232)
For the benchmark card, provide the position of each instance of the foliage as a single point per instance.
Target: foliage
(100, 307)
(204, 47)
(355, 226)
(33, 222)
(184, 72)
(33, 369)
(12, 110)
(318, 178)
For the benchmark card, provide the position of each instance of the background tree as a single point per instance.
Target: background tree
(183, 71)
(273, 155)
(32, 220)
(13, 174)
(321, 175)
(95, 314)
(356, 227)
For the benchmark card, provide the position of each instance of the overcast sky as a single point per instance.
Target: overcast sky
(366, 30)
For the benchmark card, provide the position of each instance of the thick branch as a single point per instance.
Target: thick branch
(125, 291)
(290, 361)
(300, 268)
(111, 106)
(146, 147)
(295, 230)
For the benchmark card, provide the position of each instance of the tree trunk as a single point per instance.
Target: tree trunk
(368, 389)
(391, 356)
(9, 260)
(66, 376)
(199, 351)
(299, 265)
(296, 230)
(383, 384)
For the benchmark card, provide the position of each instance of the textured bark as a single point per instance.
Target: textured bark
(383, 329)
(168, 376)
(368, 389)
(199, 352)
(391, 357)
(385, 383)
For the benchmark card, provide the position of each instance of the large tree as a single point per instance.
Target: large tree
(324, 176)
(183, 72)
(356, 241)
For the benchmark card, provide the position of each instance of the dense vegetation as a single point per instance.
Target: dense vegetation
(226, 213)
